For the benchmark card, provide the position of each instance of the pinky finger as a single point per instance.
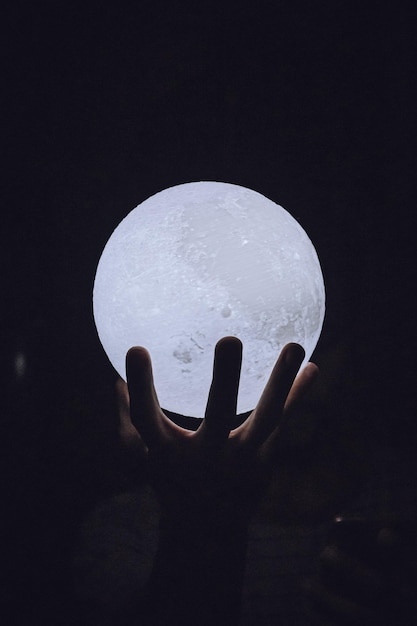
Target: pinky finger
(301, 386)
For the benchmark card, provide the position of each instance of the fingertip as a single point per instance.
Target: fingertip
(227, 357)
(310, 371)
(120, 385)
(293, 354)
(137, 355)
(138, 365)
(229, 343)
(137, 352)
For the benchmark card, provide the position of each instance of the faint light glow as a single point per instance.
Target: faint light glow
(20, 365)
(197, 262)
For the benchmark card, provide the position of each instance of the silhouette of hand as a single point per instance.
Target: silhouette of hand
(208, 481)
(215, 474)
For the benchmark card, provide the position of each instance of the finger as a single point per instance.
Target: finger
(302, 385)
(123, 402)
(265, 418)
(222, 399)
(273, 446)
(145, 412)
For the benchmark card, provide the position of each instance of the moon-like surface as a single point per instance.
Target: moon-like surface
(197, 262)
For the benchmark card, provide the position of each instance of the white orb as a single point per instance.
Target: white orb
(197, 262)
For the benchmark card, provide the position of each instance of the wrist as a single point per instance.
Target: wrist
(203, 546)
(199, 570)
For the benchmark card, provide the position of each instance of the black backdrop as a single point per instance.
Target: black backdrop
(311, 104)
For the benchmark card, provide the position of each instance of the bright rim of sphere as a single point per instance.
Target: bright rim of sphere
(197, 262)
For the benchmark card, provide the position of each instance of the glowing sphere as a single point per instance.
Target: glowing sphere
(197, 262)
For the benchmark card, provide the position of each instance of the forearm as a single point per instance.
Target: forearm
(198, 575)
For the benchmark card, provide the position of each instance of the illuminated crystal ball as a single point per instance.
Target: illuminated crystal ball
(197, 262)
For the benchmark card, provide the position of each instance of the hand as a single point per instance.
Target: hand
(209, 481)
(215, 476)
(368, 575)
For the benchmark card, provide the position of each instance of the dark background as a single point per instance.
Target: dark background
(311, 104)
